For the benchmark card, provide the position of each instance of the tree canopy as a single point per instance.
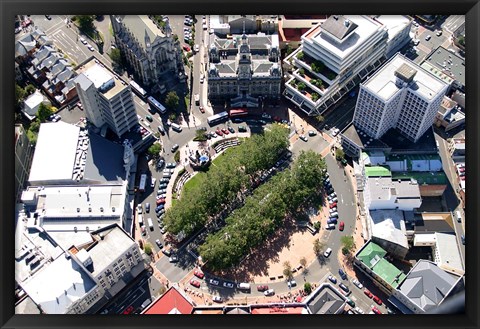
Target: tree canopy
(44, 111)
(172, 100)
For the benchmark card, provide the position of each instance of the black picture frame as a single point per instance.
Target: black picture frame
(9, 8)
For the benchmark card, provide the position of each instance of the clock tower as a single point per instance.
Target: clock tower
(244, 68)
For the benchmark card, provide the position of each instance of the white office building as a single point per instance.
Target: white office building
(107, 100)
(400, 95)
(334, 57)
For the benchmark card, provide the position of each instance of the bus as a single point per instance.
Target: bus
(143, 182)
(214, 119)
(238, 112)
(139, 90)
(156, 104)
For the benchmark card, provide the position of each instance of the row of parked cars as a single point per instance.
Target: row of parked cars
(332, 203)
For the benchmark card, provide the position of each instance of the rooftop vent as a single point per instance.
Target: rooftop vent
(101, 209)
(113, 209)
(78, 209)
(89, 209)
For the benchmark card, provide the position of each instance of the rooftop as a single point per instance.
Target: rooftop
(383, 82)
(434, 222)
(388, 272)
(325, 300)
(105, 81)
(448, 254)
(274, 309)
(59, 285)
(171, 302)
(370, 254)
(444, 62)
(427, 285)
(414, 162)
(50, 147)
(389, 225)
(365, 27)
(141, 26)
(423, 178)
(377, 171)
(357, 136)
(425, 145)
(394, 23)
(339, 26)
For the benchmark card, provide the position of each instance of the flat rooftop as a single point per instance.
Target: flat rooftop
(447, 63)
(54, 157)
(383, 82)
(389, 225)
(104, 80)
(394, 23)
(325, 300)
(365, 29)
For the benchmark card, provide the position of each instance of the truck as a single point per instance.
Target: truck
(143, 181)
(150, 224)
(197, 99)
(140, 220)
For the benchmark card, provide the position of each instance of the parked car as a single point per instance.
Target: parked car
(344, 287)
(161, 130)
(147, 207)
(327, 252)
(174, 148)
(202, 109)
(359, 310)
(160, 201)
(269, 292)
(304, 138)
(368, 293)
(335, 132)
(219, 132)
(225, 131)
(291, 283)
(198, 274)
(428, 37)
(173, 259)
(350, 302)
(217, 299)
(377, 300)
(159, 244)
(312, 133)
(332, 220)
(332, 279)
(144, 231)
(149, 118)
(164, 180)
(230, 129)
(228, 285)
(128, 310)
(162, 186)
(333, 205)
(262, 288)
(167, 252)
(330, 226)
(195, 283)
(342, 274)
(357, 283)
(139, 209)
(341, 227)
(163, 230)
(376, 310)
(160, 164)
(213, 282)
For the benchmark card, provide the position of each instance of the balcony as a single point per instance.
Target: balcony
(318, 85)
(301, 88)
(316, 67)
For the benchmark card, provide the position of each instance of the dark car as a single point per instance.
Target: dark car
(342, 274)
(175, 148)
(147, 207)
(164, 180)
(159, 207)
(332, 279)
(161, 130)
(160, 164)
(149, 118)
(237, 120)
(230, 129)
(162, 186)
(171, 165)
(344, 287)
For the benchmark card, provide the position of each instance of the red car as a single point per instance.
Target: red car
(225, 131)
(198, 274)
(202, 109)
(333, 205)
(368, 293)
(262, 288)
(128, 310)
(342, 226)
(219, 132)
(160, 201)
(277, 119)
(377, 300)
(376, 310)
(195, 283)
(186, 48)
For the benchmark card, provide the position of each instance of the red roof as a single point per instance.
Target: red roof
(277, 310)
(171, 302)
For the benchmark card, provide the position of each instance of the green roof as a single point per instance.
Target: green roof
(377, 171)
(370, 252)
(428, 178)
(413, 157)
(388, 272)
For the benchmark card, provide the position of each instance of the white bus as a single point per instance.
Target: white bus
(214, 119)
(156, 104)
(143, 182)
(150, 224)
(139, 90)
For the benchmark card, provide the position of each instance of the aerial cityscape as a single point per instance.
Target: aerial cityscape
(239, 164)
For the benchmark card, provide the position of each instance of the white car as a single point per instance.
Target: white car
(217, 299)
(269, 292)
(154, 180)
(202, 78)
(359, 310)
(214, 282)
(196, 48)
(335, 132)
(90, 48)
(83, 40)
(357, 283)
(291, 283)
(428, 37)
(228, 285)
(139, 209)
(327, 252)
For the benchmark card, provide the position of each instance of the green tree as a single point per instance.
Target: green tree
(317, 225)
(318, 247)
(339, 154)
(288, 50)
(35, 125)
(461, 40)
(348, 243)
(30, 89)
(154, 150)
(300, 55)
(320, 119)
(172, 100)
(172, 116)
(301, 86)
(116, 56)
(176, 156)
(44, 111)
(148, 249)
(307, 287)
(85, 22)
(287, 270)
(19, 95)
(303, 261)
(302, 72)
(315, 97)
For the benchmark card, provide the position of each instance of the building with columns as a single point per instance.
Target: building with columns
(244, 71)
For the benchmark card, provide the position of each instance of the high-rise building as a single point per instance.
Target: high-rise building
(153, 54)
(400, 95)
(333, 58)
(107, 100)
